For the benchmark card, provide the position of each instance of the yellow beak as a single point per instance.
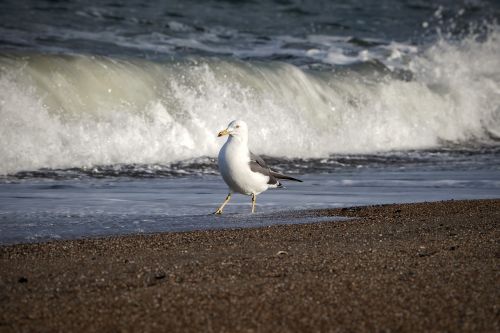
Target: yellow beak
(222, 133)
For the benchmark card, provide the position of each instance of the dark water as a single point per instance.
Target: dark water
(270, 30)
(109, 110)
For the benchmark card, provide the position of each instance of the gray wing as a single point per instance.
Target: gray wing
(257, 164)
(256, 158)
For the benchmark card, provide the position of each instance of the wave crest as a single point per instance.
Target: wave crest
(66, 111)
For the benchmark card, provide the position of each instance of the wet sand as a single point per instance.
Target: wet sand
(411, 267)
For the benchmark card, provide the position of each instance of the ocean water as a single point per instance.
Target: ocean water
(109, 111)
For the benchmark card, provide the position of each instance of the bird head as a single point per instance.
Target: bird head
(236, 128)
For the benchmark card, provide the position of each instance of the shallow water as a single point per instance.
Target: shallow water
(39, 210)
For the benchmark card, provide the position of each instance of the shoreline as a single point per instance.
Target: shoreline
(405, 267)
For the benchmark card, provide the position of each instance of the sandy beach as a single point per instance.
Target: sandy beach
(410, 267)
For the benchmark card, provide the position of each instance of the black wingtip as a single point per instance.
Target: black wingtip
(294, 179)
(281, 176)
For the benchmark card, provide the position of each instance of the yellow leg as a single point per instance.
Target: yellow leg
(254, 199)
(219, 211)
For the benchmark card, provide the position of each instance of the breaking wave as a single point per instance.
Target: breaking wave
(63, 111)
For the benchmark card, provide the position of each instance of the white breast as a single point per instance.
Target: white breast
(235, 170)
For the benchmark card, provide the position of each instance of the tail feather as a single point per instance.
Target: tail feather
(281, 176)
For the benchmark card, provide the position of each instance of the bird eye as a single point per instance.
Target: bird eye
(237, 126)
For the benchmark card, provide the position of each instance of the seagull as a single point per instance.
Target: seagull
(243, 171)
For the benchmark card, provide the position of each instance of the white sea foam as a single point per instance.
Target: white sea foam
(66, 111)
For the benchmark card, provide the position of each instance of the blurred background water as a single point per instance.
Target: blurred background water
(109, 111)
